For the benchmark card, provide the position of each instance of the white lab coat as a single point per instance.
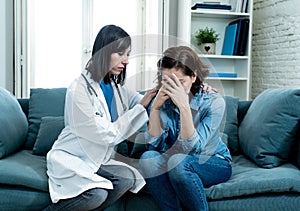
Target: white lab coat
(89, 138)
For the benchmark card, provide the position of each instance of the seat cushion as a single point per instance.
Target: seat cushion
(24, 168)
(23, 199)
(248, 179)
(43, 102)
(13, 124)
(269, 128)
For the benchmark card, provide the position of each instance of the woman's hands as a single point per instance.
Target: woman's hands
(173, 88)
(148, 97)
(179, 94)
(159, 100)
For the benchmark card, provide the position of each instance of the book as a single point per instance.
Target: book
(223, 75)
(229, 39)
(236, 35)
(241, 37)
(211, 6)
(236, 5)
(245, 6)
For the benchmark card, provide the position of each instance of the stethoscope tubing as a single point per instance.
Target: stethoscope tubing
(91, 90)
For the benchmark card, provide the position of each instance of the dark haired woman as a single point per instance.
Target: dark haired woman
(100, 112)
(186, 153)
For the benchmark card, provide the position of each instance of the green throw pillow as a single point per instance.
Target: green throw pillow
(268, 130)
(13, 124)
(43, 102)
(50, 129)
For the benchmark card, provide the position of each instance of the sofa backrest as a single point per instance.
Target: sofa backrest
(24, 102)
(243, 107)
(236, 111)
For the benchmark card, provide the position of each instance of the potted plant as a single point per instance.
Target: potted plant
(206, 39)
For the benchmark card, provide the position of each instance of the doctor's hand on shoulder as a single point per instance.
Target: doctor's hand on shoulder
(148, 97)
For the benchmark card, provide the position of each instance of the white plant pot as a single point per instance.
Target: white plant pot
(208, 48)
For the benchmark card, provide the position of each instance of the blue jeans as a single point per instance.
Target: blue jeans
(98, 198)
(177, 181)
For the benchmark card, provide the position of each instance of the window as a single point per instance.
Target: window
(60, 34)
(54, 42)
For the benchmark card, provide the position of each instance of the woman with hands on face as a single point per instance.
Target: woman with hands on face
(185, 151)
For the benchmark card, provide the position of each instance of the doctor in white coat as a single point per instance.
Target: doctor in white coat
(100, 112)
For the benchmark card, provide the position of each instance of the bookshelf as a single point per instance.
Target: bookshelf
(189, 21)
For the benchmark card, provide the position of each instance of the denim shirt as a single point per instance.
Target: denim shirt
(207, 111)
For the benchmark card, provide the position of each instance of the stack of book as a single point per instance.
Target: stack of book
(228, 5)
(236, 36)
(212, 5)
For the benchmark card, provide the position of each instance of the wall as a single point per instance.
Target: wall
(276, 45)
(6, 44)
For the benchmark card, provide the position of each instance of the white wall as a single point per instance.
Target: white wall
(6, 44)
(276, 45)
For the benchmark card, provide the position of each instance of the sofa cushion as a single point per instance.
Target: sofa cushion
(231, 125)
(269, 128)
(50, 128)
(43, 102)
(13, 124)
(21, 198)
(248, 179)
(24, 169)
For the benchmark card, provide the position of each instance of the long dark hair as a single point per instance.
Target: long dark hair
(110, 39)
(186, 59)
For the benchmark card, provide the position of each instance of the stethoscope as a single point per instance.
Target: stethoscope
(92, 91)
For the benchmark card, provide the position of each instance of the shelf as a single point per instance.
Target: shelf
(218, 14)
(222, 57)
(190, 21)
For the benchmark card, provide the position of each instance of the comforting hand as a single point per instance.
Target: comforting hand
(148, 97)
(207, 88)
(174, 89)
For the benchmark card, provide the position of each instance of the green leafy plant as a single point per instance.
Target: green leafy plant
(207, 35)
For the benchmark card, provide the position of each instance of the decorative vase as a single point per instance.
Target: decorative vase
(208, 48)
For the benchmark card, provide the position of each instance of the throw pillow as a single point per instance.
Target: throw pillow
(269, 128)
(50, 129)
(43, 102)
(231, 125)
(13, 124)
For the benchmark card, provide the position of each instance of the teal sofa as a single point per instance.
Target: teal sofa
(263, 136)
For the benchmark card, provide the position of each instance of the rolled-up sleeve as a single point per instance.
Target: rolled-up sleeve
(191, 144)
(156, 143)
